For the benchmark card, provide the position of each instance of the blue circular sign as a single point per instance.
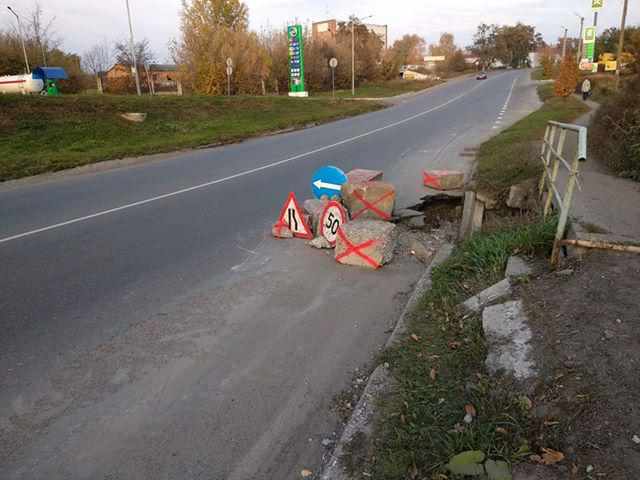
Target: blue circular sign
(328, 181)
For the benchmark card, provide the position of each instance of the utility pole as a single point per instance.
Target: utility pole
(595, 24)
(579, 55)
(621, 43)
(133, 51)
(24, 49)
(353, 57)
(564, 43)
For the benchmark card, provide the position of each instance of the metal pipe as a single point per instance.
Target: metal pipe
(24, 49)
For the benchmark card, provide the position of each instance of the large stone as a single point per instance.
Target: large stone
(508, 336)
(314, 209)
(522, 195)
(517, 268)
(320, 243)
(421, 252)
(369, 200)
(360, 175)
(444, 179)
(500, 290)
(366, 243)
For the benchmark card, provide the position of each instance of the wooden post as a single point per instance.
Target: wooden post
(264, 87)
(468, 212)
(179, 88)
(99, 83)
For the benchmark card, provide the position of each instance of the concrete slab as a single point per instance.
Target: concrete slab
(517, 267)
(500, 290)
(508, 335)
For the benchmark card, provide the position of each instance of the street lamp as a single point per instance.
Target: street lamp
(24, 50)
(581, 39)
(133, 51)
(354, 19)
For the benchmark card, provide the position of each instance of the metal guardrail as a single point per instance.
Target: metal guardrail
(553, 158)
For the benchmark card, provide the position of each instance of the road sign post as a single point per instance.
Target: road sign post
(333, 63)
(296, 62)
(332, 220)
(327, 182)
(229, 73)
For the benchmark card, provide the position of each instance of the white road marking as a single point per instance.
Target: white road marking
(245, 173)
(497, 123)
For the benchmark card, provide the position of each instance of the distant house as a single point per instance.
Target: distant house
(326, 31)
(163, 76)
(431, 62)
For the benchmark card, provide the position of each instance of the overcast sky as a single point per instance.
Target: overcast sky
(80, 23)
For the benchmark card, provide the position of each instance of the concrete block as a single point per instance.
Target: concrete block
(366, 243)
(360, 175)
(282, 231)
(517, 267)
(421, 252)
(490, 201)
(369, 200)
(320, 243)
(508, 335)
(522, 195)
(314, 209)
(444, 179)
(500, 290)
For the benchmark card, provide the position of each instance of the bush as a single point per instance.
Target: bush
(568, 79)
(615, 133)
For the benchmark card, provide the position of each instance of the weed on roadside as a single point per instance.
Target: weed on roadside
(444, 402)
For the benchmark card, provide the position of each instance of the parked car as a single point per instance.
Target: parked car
(481, 76)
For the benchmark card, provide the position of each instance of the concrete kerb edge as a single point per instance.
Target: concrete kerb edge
(423, 285)
(361, 418)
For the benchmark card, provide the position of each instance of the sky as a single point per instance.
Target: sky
(82, 23)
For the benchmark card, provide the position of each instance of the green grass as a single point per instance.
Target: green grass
(45, 134)
(421, 426)
(538, 74)
(383, 89)
(513, 155)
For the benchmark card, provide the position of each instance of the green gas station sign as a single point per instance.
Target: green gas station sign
(296, 61)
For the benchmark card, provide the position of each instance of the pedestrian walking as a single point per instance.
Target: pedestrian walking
(586, 89)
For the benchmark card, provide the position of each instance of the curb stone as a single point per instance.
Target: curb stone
(361, 420)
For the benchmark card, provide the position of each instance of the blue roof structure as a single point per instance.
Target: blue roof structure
(50, 73)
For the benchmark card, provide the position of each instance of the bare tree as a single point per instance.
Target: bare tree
(143, 52)
(97, 60)
(41, 31)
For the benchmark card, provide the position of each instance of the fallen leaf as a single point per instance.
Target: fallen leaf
(454, 345)
(526, 402)
(636, 439)
(551, 424)
(413, 472)
(433, 374)
(550, 457)
(498, 470)
(535, 458)
(574, 469)
(502, 430)
(415, 337)
(471, 410)
(467, 463)
(306, 473)
(403, 420)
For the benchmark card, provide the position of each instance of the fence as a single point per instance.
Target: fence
(553, 159)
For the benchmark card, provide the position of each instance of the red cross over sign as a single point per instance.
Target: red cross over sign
(357, 249)
(293, 217)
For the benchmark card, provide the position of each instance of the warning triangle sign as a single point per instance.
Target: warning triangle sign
(293, 217)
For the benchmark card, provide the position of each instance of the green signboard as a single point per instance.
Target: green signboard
(589, 38)
(590, 51)
(296, 61)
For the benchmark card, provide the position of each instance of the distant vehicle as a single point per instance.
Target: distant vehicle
(481, 76)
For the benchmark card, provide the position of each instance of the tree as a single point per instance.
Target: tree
(41, 31)
(144, 54)
(97, 60)
(485, 45)
(514, 43)
(409, 50)
(212, 31)
(445, 48)
(458, 62)
(568, 79)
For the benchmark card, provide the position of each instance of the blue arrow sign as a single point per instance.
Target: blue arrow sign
(328, 181)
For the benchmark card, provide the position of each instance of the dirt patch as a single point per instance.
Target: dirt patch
(586, 323)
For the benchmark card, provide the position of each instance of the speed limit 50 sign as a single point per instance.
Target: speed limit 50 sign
(333, 217)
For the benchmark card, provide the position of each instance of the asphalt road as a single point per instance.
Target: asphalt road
(150, 328)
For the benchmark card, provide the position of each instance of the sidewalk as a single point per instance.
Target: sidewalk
(608, 207)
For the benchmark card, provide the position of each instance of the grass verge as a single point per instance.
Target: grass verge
(439, 370)
(383, 89)
(45, 134)
(513, 155)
